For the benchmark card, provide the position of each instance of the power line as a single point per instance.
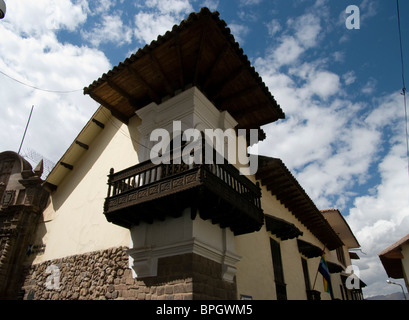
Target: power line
(403, 82)
(37, 88)
(123, 132)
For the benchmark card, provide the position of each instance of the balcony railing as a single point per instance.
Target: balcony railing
(148, 192)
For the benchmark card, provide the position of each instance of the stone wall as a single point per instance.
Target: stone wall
(105, 275)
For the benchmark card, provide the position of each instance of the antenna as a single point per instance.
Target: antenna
(24, 135)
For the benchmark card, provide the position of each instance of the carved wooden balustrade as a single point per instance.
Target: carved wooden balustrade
(148, 192)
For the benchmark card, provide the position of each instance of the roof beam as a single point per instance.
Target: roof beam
(122, 92)
(168, 87)
(66, 165)
(278, 188)
(272, 176)
(152, 94)
(237, 95)
(230, 78)
(180, 60)
(82, 145)
(199, 56)
(98, 123)
(290, 196)
(248, 111)
(121, 117)
(207, 78)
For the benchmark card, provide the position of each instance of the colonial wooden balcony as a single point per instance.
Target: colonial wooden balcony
(148, 192)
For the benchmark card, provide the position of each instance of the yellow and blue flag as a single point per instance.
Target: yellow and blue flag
(323, 269)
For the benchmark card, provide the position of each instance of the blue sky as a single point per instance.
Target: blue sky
(344, 133)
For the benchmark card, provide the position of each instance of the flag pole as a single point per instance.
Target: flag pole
(316, 275)
(22, 140)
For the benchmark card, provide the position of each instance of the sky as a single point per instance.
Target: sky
(344, 135)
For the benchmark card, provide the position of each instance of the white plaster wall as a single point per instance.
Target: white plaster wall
(74, 222)
(255, 275)
(176, 236)
(194, 111)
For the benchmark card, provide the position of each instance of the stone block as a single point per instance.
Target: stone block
(169, 289)
(160, 291)
(179, 288)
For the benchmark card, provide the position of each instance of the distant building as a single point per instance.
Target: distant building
(395, 260)
(22, 203)
(347, 283)
(121, 226)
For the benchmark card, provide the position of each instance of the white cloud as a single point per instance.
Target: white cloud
(369, 87)
(349, 77)
(287, 52)
(211, 4)
(381, 219)
(324, 84)
(302, 34)
(35, 18)
(307, 29)
(149, 25)
(338, 56)
(368, 9)
(172, 7)
(33, 55)
(111, 29)
(239, 32)
(274, 27)
(101, 7)
(250, 2)
(158, 16)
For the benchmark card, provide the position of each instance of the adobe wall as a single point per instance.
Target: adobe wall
(105, 275)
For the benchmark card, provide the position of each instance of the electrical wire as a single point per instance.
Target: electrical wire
(37, 88)
(123, 132)
(403, 81)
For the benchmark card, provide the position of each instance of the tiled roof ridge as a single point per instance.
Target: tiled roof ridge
(194, 16)
(329, 209)
(395, 245)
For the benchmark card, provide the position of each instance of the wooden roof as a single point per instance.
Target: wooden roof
(279, 180)
(77, 149)
(308, 249)
(281, 228)
(392, 256)
(341, 227)
(200, 52)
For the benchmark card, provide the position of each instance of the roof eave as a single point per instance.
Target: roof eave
(281, 183)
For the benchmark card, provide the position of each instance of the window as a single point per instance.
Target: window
(278, 270)
(306, 274)
(340, 255)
